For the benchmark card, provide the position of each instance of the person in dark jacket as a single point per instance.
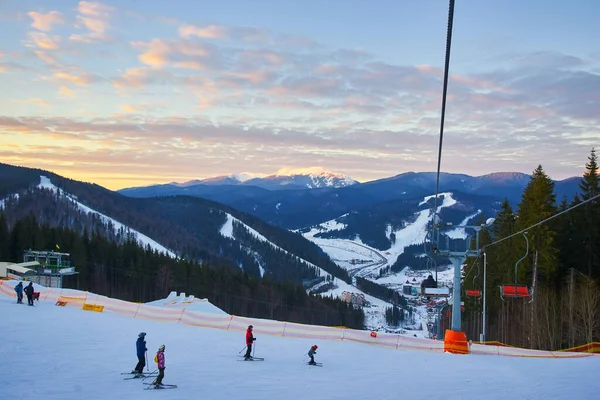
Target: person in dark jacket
(29, 292)
(249, 340)
(19, 290)
(311, 354)
(141, 349)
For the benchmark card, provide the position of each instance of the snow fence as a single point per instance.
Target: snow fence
(98, 303)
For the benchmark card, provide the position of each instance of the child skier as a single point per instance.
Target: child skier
(311, 354)
(160, 360)
(140, 346)
(249, 340)
(19, 290)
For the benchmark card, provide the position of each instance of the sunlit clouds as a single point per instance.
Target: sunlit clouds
(120, 96)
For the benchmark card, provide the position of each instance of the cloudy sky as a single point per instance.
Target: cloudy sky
(125, 93)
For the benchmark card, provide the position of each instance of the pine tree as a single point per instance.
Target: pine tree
(501, 257)
(538, 202)
(590, 184)
(590, 227)
(568, 239)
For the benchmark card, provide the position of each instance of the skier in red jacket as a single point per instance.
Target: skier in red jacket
(249, 340)
(160, 361)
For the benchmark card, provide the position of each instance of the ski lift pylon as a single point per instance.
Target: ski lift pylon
(516, 290)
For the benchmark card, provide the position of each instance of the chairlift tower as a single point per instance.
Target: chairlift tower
(457, 258)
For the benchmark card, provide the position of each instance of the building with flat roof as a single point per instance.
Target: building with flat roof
(47, 268)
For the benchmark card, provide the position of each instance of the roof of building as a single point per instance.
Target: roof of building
(24, 268)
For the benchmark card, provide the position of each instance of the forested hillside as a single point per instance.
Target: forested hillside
(127, 271)
(561, 268)
(189, 226)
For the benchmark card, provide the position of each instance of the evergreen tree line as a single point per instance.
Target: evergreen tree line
(413, 256)
(126, 271)
(561, 268)
(381, 292)
(394, 316)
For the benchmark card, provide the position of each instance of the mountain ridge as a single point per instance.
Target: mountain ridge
(187, 225)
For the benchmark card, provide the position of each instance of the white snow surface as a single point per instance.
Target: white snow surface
(227, 231)
(141, 238)
(246, 176)
(460, 233)
(10, 197)
(181, 301)
(64, 353)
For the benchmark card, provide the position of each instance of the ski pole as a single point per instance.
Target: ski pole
(147, 368)
(253, 350)
(150, 375)
(243, 348)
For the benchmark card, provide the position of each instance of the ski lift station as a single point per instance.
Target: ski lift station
(47, 268)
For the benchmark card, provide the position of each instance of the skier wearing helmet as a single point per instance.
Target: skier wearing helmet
(140, 346)
(249, 340)
(160, 361)
(311, 354)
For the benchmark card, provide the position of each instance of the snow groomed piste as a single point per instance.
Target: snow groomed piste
(61, 352)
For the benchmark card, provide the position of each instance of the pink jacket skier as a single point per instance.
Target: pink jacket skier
(160, 361)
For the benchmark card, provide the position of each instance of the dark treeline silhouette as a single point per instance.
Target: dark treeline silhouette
(561, 269)
(127, 271)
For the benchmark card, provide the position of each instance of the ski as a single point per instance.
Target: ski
(316, 364)
(253, 359)
(158, 387)
(136, 373)
(142, 376)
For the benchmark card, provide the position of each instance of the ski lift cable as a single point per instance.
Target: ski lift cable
(443, 115)
(541, 222)
(470, 269)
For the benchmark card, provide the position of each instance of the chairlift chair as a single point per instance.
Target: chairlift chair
(474, 293)
(516, 290)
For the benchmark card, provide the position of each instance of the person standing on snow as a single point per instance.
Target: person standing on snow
(311, 354)
(249, 340)
(29, 292)
(160, 361)
(140, 346)
(19, 290)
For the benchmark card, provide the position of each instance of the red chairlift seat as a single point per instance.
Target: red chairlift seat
(514, 291)
(473, 293)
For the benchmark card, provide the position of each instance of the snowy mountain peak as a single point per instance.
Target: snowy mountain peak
(312, 177)
(246, 176)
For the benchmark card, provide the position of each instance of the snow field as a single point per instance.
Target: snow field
(65, 353)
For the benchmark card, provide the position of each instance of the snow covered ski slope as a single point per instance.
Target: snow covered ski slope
(62, 353)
